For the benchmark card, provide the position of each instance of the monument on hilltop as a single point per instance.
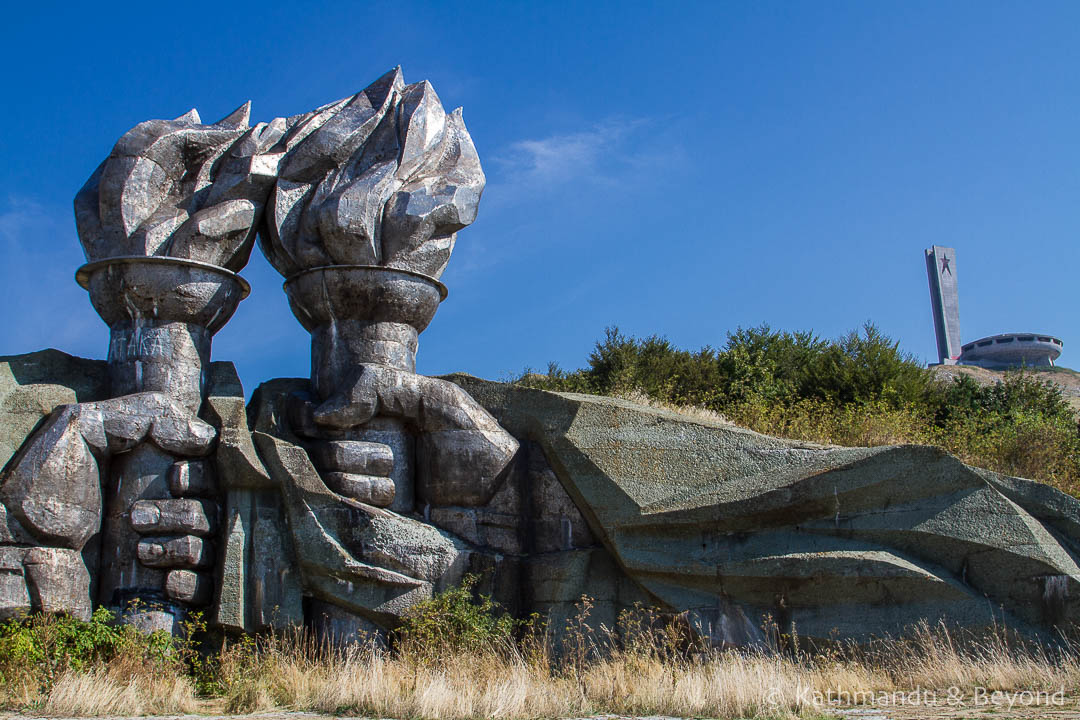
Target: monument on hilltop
(1007, 350)
(340, 500)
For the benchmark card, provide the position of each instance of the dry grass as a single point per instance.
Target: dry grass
(636, 682)
(645, 676)
(692, 412)
(126, 686)
(488, 685)
(638, 673)
(934, 658)
(102, 692)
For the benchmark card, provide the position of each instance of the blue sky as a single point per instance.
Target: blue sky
(670, 168)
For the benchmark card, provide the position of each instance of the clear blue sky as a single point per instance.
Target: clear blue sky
(671, 168)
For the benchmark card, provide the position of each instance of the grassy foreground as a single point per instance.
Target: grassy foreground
(481, 665)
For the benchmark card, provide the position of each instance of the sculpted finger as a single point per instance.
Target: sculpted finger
(190, 587)
(377, 491)
(183, 434)
(125, 420)
(340, 412)
(192, 478)
(177, 515)
(352, 407)
(448, 407)
(187, 551)
(353, 456)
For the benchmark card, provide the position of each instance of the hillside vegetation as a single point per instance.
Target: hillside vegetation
(856, 390)
(1065, 378)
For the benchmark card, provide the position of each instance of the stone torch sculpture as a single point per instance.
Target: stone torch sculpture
(361, 201)
(361, 223)
(354, 496)
(165, 222)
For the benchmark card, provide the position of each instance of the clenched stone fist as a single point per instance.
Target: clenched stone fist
(461, 448)
(53, 503)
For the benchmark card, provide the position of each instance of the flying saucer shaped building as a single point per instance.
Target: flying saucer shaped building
(996, 352)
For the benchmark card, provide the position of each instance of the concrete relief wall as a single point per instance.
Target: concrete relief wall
(341, 500)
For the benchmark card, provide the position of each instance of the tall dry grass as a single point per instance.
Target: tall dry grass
(733, 683)
(651, 673)
(373, 683)
(934, 658)
(642, 670)
(100, 692)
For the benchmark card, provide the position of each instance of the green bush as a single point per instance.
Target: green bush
(456, 621)
(756, 365)
(36, 649)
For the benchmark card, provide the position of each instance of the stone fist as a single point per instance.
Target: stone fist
(176, 530)
(356, 469)
(53, 501)
(461, 449)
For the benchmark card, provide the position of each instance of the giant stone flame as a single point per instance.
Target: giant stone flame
(385, 177)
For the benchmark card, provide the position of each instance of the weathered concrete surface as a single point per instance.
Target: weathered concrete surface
(164, 222)
(376, 563)
(385, 177)
(43, 579)
(257, 583)
(369, 561)
(732, 526)
(32, 385)
(31, 576)
(52, 490)
(153, 195)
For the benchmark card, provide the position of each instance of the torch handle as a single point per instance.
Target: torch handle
(139, 474)
(167, 358)
(339, 347)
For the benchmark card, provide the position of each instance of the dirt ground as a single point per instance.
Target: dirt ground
(1070, 710)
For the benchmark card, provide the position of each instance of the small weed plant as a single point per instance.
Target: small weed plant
(460, 620)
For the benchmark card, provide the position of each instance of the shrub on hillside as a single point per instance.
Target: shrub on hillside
(860, 390)
(756, 364)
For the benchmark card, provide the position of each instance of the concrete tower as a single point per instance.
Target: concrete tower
(945, 301)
